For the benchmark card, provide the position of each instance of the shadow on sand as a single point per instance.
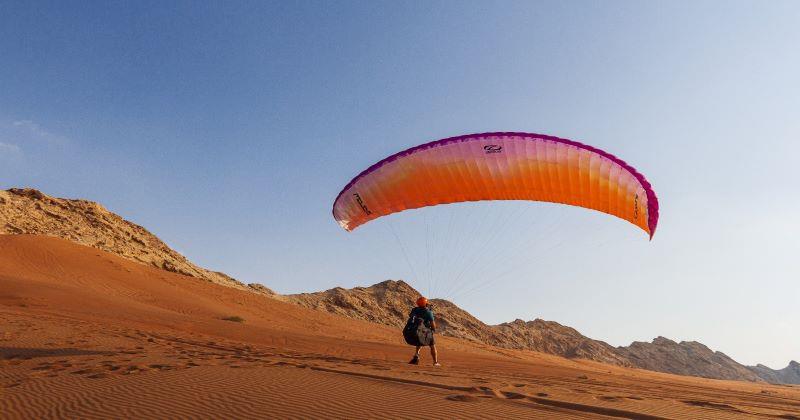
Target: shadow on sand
(11, 353)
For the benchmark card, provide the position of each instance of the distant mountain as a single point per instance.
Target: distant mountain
(28, 211)
(788, 375)
(685, 358)
(554, 338)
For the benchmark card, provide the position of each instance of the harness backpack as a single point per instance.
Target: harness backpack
(416, 333)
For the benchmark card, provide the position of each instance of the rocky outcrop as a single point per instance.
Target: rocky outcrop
(685, 358)
(554, 338)
(788, 375)
(383, 303)
(29, 211)
(260, 288)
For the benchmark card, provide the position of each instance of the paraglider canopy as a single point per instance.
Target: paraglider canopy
(499, 166)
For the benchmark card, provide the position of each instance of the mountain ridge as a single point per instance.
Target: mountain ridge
(689, 358)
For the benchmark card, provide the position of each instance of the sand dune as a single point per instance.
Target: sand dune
(87, 334)
(30, 211)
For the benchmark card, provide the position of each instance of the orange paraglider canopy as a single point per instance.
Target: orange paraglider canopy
(499, 166)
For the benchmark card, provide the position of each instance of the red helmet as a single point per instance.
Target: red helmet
(422, 302)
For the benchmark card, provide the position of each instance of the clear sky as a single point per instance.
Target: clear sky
(228, 128)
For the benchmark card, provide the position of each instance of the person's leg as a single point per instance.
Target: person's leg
(433, 354)
(415, 359)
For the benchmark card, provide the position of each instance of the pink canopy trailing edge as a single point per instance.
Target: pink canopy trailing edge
(499, 166)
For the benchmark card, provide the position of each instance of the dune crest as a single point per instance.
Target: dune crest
(29, 211)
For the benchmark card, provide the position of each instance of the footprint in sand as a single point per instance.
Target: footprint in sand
(514, 395)
(162, 367)
(488, 392)
(135, 369)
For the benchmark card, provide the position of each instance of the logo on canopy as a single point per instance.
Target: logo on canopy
(361, 204)
(493, 148)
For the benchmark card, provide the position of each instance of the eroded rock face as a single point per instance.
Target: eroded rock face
(29, 211)
(260, 288)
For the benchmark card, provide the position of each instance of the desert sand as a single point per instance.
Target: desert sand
(87, 334)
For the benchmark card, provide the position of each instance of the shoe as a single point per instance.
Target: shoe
(437, 364)
(414, 361)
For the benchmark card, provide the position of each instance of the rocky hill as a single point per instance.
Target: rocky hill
(685, 358)
(788, 375)
(28, 211)
(554, 338)
(388, 303)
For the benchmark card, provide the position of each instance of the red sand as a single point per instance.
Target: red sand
(86, 334)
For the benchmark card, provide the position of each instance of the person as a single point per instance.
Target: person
(422, 325)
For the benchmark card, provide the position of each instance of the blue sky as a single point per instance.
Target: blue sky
(227, 129)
